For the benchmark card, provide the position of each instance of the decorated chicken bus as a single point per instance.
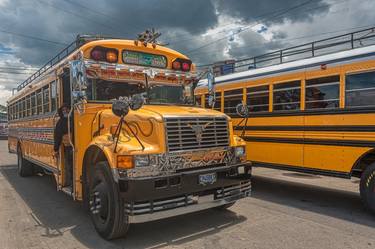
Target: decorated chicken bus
(114, 120)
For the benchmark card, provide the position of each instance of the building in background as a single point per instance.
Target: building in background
(3, 122)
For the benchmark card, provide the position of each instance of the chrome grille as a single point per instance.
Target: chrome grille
(180, 133)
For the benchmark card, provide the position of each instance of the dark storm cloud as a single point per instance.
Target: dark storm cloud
(270, 11)
(62, 20)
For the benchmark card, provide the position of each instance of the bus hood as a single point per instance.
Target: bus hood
(149, 125)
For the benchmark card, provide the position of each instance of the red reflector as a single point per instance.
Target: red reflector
(97, 54)
(185, 66)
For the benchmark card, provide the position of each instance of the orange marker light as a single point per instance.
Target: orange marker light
(125, 162)
(111, 56)
(176, 65)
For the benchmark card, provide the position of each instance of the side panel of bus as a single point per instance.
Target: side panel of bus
(310, 139)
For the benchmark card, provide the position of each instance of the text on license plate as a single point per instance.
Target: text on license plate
(207, 178)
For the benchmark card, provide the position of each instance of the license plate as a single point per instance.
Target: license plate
(207, 179)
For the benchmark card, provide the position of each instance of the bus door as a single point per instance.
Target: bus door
(66, 158)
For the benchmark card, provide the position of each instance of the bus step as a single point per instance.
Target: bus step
(67, 190)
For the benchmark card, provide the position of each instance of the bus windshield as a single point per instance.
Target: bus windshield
(103, 90)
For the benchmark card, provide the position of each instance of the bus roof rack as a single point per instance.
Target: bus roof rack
(330, 45)
(78, 42)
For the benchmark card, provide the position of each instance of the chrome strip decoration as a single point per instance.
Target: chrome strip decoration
(187, 133)
(159, 209)
(169, 163)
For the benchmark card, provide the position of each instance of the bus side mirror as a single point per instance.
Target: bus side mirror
(136, 102)
(120, 107)
(211, 87)
(243, 110)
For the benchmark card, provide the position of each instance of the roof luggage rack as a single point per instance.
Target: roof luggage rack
(78, 42)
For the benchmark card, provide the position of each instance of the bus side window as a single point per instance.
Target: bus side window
(28, 106)
(39, 104)
(46, 99)
(287, 96)
(33, 104)
(23, 106)
(217, 106)
(323, 93)
(258, 98)
(360, 89)
(53, 90)
(231, 99)
(198, 99)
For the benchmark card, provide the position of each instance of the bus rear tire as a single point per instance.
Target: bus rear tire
(367, 187)
(105, 205)
(25, 168)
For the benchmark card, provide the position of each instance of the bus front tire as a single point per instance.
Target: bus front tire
(225, 206)
(105, 205)
(367, 187)
(25, 168)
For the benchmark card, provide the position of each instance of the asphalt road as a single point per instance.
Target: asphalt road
(287, 210)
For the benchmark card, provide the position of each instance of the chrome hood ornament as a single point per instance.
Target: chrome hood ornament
(198, 130)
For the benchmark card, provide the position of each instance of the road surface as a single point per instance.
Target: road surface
(287, 210)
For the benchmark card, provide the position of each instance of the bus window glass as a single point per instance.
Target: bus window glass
(322, 93)
(33, 104)
(198, 100)
(28, 107)
(360, 89)
(103, 90)
(53, 96)
(23, 113)
(287, 96)
(258, 98)
(39, 106)
(46, 99)
(217, 101)
(231, 99)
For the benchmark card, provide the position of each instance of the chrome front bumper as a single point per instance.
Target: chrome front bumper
(164, 208)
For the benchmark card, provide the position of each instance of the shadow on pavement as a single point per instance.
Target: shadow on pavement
(331, 202)
(57, 214)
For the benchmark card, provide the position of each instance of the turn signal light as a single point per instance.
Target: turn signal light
(104, 54)
(176, 65)
(125, 162)
(111, 56)
(181, 64)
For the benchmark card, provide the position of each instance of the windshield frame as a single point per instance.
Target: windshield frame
(148, 85)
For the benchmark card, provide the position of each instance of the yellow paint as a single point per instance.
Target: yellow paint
(311, 156)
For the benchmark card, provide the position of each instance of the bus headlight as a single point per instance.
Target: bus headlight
(240, 151)
(144, 160)
(141, 160)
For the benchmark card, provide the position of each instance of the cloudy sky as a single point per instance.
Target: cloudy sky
(33, 31)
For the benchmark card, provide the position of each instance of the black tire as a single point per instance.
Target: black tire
(367, 187)
(105, 205)
(25, 168)
(225, 206)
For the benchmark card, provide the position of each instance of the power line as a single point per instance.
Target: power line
(32, 37)
(5, 72)
(109, 17)
(251, 26)
(308, 36)
(265, 14)
(79, 16)
(291, 39)
(19, 68)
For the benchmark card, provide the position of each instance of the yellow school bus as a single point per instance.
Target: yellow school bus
(140, 150)
(310, 108)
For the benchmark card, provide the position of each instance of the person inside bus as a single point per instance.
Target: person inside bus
(61, 138)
